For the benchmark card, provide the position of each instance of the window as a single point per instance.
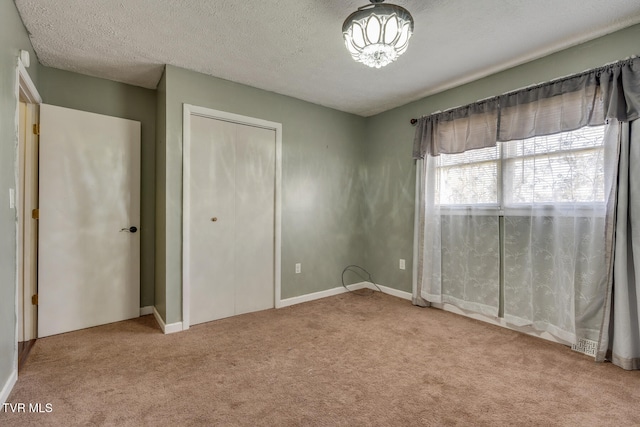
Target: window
(546, 170)
(564, 168)
(469, 178)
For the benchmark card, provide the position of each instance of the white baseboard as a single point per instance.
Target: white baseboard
(312, 297)
(8, 386)
(498, 321)
(385, 290)
(146, 310)
(393, 292)
(340, 290)
(167, 329)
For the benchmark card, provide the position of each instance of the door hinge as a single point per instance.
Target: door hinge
(36, 129)
(34, 299)
(35, 214)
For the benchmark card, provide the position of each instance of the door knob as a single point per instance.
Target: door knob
(131, 229)
(214, 219)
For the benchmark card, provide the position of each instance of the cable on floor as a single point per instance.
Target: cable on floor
(359, 271)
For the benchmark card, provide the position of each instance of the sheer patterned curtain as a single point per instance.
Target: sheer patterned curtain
(519, 195)
(555, 162)
(462, 234)
(458, 259)
(554, 228)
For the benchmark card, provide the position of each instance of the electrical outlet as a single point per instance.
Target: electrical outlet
(402, 264)
(298, 268)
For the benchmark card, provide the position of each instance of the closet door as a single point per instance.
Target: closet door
(255, 208)
(212, 219)
(230, 219)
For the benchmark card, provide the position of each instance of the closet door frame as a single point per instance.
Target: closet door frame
(188, 112)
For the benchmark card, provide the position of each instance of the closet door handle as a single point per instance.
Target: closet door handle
(214, 219)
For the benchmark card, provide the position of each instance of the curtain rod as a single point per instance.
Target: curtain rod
(596, 70)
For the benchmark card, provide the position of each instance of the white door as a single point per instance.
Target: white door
(89, 250)
(230, 219)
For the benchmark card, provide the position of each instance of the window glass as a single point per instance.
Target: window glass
(563, 168)
(468, 178)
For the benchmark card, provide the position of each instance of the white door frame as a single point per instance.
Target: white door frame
(26, 92)
(192, 110)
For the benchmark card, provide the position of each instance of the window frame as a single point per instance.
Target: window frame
(588, 208)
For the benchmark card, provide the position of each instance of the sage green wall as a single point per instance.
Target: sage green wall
(161, 185)
(80, 92)
(321, 181)
(13, 38)
(390, 171)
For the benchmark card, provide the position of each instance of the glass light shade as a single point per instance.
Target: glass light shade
(377, 34)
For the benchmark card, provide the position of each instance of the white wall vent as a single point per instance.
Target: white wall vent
(585, 346)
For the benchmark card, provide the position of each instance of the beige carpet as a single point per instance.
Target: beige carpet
(344, 360)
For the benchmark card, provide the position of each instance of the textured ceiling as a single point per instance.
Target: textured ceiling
(295, 47)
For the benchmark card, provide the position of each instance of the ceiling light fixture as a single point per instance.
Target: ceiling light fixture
(377, 34)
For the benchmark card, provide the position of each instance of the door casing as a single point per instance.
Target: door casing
(26, 201)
